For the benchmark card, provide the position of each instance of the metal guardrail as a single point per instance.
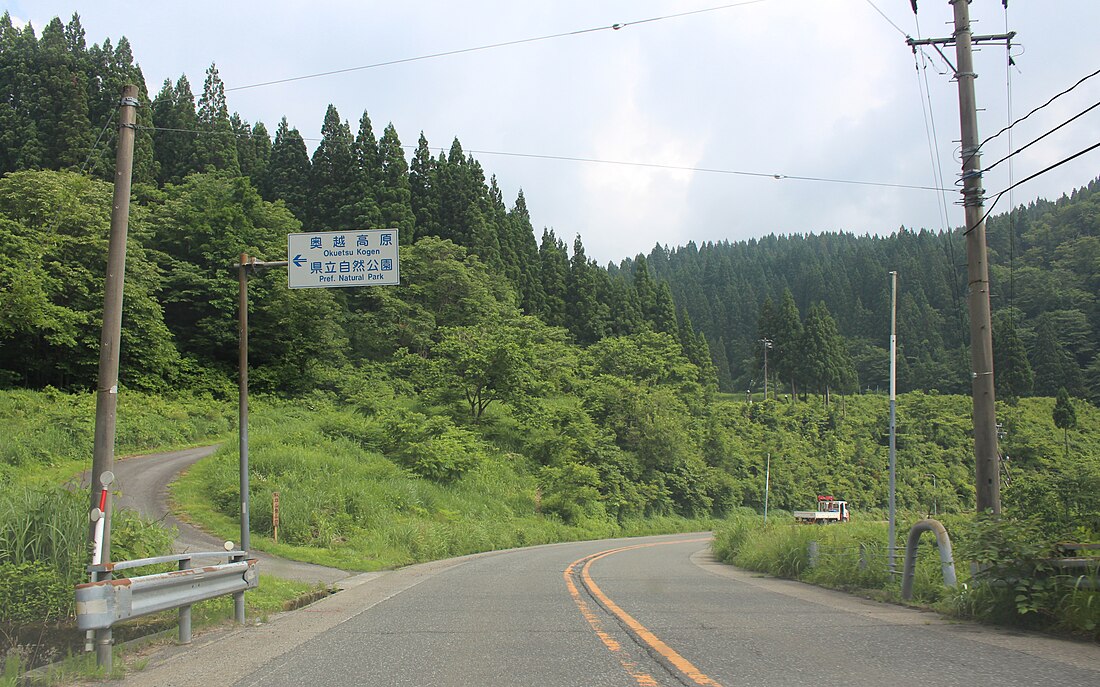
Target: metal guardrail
(1082, 571)
(106, 601)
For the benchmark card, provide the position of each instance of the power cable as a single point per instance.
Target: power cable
(929, 120)
(493, 46)
(707, 170)
(1052, 99)
(624, 163)
(95, 146)
(932, 135)
(888, 19)
(1076, 155)
(1013, 153)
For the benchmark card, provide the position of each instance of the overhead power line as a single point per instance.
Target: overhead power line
(622, 163)
(493, 46)
(888, 19)
(1076, 155)
(1052, 99)
(707, 170)
(1060, 126)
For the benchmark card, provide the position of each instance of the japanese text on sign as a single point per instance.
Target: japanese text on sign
(343, 258)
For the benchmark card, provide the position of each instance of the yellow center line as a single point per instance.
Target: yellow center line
(681, 664)
(643, 679)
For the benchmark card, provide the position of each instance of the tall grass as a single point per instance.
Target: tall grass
(49, 434)
(849, 556)
(344, 503)
(854, 557)
(44, 524)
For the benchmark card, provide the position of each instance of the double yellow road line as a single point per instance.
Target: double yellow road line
(640, 632)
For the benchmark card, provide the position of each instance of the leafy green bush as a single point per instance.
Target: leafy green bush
(33, 592)
(1014, 581)
(44, 542)
(444, 456)
(134, 537)
(571, 491)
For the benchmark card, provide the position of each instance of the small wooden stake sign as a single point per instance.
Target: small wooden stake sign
(275, 514)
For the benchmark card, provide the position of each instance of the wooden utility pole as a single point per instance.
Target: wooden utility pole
(986, 453)
(103, 455)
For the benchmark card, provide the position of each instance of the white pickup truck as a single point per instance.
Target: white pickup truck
(828, 510)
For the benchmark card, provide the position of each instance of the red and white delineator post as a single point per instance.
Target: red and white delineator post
(99, 517)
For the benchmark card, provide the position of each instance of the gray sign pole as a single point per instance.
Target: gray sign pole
(242, 420)
(242, 274)
(350, 263)
(243, 267)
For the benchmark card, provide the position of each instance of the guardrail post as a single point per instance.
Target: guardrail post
(104, 640)
(947, 560)
(238, 598)
(811, 551)
(185, 611)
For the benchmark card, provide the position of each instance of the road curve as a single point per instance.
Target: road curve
(141, 484)
(643, 612)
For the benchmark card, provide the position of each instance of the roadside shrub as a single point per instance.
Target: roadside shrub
(1012, 583)
(133, 537)
(443, 457)
(571, 491)
(732, 534)
(33, 592)
(44, 549)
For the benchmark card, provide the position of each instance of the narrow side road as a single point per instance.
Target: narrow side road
(141, 484)
(643, 612)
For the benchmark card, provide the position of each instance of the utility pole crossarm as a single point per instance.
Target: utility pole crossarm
(992, 38)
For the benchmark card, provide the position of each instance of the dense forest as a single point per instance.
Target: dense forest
(208, 183)
(605, 378)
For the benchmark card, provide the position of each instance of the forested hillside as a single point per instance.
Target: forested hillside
(1045, 273)
(209, 184)
(596, 388)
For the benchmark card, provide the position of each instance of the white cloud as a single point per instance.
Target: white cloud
(644, 203)
(797, 87)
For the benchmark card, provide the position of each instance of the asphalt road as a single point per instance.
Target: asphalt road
(651, 611)
(141, 484)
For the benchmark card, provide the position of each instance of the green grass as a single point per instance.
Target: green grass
(49, 434)
(345, 505)
(781, 549)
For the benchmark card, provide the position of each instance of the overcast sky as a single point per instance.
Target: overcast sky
(810, 88)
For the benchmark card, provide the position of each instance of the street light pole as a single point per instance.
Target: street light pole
(767, 486)
(935, 510)
(767, 344)
(893, 412)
